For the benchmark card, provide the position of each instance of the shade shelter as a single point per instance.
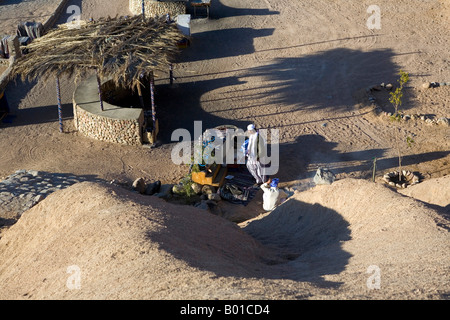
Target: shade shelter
(125, 50)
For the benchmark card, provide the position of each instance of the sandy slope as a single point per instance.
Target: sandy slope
(317, 245)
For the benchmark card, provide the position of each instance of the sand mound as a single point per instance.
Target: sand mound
(340, 232)
(124, 245)
(121, 245)
(435, 191)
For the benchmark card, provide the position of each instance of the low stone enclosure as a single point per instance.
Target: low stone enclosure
(112, 124)
(154, 8)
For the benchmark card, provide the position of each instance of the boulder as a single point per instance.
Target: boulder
(139, 185)
(153, 188)
(214, 196)
(202, 205)
(165, 191)
(443, 122)
(196, 187)
(207, 189)
(324, 176)
(178, 189)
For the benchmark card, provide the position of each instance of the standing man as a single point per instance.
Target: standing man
(255, 152)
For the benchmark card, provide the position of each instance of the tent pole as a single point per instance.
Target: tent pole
(152, 96)
(141, 98)
(143, 10)
(99, 86)
(58, 96)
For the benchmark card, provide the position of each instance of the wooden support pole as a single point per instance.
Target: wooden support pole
(58, 96)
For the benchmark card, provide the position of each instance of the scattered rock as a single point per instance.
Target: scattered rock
(214, 197)
(165, 191)
(23, 189)
(408, 179)
(389, 86)
(443, 121)
(153, 188)
(38, 198)
(426, 85)
(207, 189)
(139, 185)
(324, 176)
(178, 189)
(202, 205)
(196, 187)
(430, 121)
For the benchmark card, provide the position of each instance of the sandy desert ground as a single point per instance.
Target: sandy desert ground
(301, 67)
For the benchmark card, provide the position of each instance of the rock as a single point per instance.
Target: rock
(202, 205)
(196, 187)
(389, 86)
(34, 173)
(153, 188)
(324, 176)
(214, 196)
(178, 189)
(38, 198)
(139, 185)
(443, 121)
(207, 189)
(429, 121)
(165, 191)
(426, 85)
(376, 87)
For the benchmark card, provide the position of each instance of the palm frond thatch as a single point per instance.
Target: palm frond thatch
(121, 49)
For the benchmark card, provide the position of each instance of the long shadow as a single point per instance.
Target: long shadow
(179, 106)
(218, 11)
(309, 235)
(308, 152)
(303, 242)
(35, 115)
(327, 79)
(9, 2)
(222, 43)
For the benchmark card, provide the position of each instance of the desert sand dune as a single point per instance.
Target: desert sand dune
(319, 244)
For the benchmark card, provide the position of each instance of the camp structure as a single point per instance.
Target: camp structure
(126, 51)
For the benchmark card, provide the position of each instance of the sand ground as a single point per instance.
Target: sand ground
(301, 67)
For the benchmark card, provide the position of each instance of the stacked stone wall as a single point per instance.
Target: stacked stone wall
(123, 131)
(158, 8)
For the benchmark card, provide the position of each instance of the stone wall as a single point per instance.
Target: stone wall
(112, 124)
(158, 8)
(121, 131)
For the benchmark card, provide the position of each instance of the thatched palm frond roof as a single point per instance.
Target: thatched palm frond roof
(120, 48)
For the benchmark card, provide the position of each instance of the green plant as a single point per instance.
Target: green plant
(186, 185)
(397, 95)
(396, 100)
